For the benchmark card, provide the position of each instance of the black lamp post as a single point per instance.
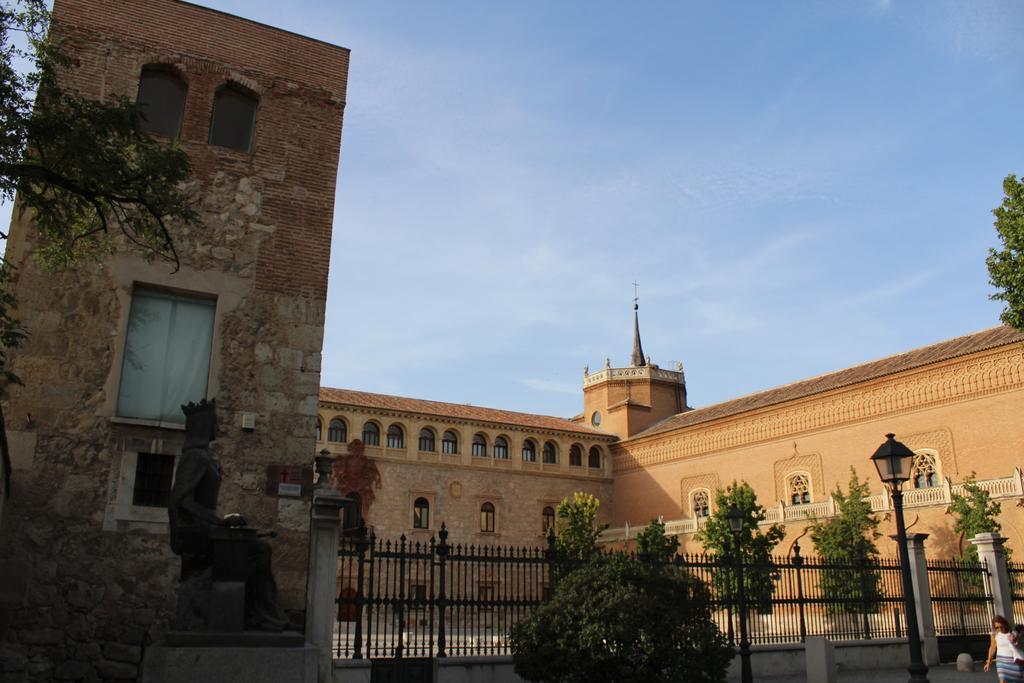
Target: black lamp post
(735, 517)
(894, 462)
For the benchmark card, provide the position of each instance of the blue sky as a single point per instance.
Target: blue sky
(797, 187)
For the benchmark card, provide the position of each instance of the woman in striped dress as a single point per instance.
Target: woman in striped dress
(1005, 652)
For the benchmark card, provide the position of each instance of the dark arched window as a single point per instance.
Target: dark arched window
(480, 446)
(337, 431)
(575, 456)
(594, 459)
(487, 517)
(450, 443)
(396, 437)
(352, 516)
(319, 430)
(161, 101)
(427, 442)
(501, 448)
(421, 514)
(234, 118)
(548, 519)
(371, 434)
(529, 451)
(550, 454)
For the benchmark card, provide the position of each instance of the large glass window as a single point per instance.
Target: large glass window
(371, 434)
(479, 446)
(234, 117)
(501, 448)
(337, 431)
(450, 443)
(576, 456)
(487, 517)
(550, 454)
(529, 451)
(161, 101)
(166, 355)
(396, 437)
(427, 443)
(594, 459)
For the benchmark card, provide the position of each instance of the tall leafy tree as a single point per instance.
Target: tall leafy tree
(849, 539)
(975, 512)
(576, 527)
(652, 545)
(1006, 265)
(756, 546)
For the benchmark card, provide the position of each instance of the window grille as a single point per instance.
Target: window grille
(153, 475)
(449, 443)
(371, 434)
(337, 431)
(396, 437)
(427, 444)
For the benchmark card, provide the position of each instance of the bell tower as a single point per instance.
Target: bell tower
(625, 401)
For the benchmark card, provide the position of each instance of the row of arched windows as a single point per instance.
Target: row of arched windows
(161, 101)
(337, 432)
(488, 516)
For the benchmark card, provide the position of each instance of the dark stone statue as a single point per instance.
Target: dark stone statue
(226, 579)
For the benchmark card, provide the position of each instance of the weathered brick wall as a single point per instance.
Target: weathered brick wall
(84, 588)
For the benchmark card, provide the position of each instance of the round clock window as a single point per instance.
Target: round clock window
(595, 419)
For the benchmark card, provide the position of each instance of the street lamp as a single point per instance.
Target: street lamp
(735, 517)
(894, 461)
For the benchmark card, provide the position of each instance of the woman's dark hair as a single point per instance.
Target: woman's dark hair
(1001, 623)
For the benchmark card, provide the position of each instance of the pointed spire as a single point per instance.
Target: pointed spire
(638, 349)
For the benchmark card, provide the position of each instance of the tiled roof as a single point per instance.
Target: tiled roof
(935, 353)
(365, 399)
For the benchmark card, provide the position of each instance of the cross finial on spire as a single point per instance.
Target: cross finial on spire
(636, 295)
(638, 350)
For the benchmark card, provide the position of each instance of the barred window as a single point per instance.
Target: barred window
(337, 431)
(548, 519)
(701, 504)
(153, 475)
(427, 443)
(576, 456)
(594, 459)
(799, 489)
(450, 443)
(487, 518)
(550, 454)
(924, 473)
(421, 514)
(529, 451)
(479, 446)
(501, 448)
(371, 434)
(396, 437)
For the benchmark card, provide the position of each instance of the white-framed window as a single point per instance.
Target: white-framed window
(799, 486)
(166, 355)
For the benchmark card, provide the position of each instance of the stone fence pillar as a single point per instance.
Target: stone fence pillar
(990, 552)
(922, 596)
(322, 575)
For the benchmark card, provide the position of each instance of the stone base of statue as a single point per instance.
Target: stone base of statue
(264, 659)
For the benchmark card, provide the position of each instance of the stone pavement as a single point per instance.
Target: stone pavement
(945, 673)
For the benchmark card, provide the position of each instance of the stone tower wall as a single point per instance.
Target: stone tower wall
(88, 577)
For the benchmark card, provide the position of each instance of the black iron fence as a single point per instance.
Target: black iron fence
(1016, 571)
(961, 602)
(402, 599)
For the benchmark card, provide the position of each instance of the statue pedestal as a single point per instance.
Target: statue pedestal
(218, 657)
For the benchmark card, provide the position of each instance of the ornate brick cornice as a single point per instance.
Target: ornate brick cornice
(970, 377)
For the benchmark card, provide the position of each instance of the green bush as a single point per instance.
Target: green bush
(618, 619)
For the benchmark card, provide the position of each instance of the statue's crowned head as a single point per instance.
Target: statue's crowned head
(200, 421)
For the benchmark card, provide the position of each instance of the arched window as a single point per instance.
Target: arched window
(594, 459)
(352, 515)
(576, 456)
(427, 443)
(371, 434)
(548, 519)
(529, 451)
(161, 101)
(799, 489)
(337, 431)
(487, 518)
(319, 430)
(234, 118)
(924, 472)
(701, 503)
(501, 448)
(479, 446)
(450, 443)
(421, 514)
(550, 454)
(396, 437)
